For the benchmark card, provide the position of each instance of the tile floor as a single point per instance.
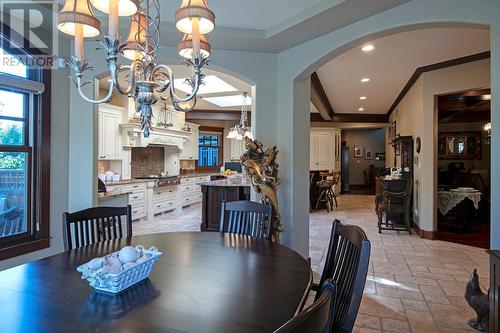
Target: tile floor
(413, 285)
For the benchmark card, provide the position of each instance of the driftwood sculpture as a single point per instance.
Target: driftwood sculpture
(261, 167)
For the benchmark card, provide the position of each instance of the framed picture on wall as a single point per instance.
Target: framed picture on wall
(369, 153)
(358, 151)
(393, 130)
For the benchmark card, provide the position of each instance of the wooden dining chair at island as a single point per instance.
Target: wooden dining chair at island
(394, 205)
(317, 317)
(346, 264)
(11, 222)
(327, 189)
(246, 218)
(97, 224)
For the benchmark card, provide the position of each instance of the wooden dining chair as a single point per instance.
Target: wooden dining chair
(246, 218)
(95, 225)
(347, 265)
(317, 318)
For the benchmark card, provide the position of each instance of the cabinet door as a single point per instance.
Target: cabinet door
(237, 149)
(195, 145)
(313, 152)
(109, 136)
(324, 151)
(190, 150)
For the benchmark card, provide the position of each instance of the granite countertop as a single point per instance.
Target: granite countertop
(127, 181)
(225, 183)
(112, 194)
(197, 174)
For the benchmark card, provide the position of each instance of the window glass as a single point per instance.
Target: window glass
(11, 132)
(13, 194)
(11, 65)
(209, 148)
(11, 104)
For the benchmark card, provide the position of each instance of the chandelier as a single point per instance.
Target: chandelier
(242, 130)
(144, 78)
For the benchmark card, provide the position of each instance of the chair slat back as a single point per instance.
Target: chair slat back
(317, 318)
(347, 265)
(97, 224)
(11, 222)
(246, 218)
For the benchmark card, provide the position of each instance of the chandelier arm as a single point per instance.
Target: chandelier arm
(93, 101)
(132, 84)
(197, 79)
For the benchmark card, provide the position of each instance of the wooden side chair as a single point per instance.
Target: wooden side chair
(317, 318)
(327, 193)
(11, 222)
(394, 206)
(95, 225)
(246, 218)
(347, 265)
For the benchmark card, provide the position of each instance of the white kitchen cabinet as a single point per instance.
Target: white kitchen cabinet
(137, 199)
(325, 149)
(109, 133)
(190, 150)
(237, 149)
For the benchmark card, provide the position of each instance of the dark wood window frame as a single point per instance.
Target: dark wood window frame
(210, 130)
(37, 145)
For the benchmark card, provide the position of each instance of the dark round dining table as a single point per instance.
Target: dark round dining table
(203, 282)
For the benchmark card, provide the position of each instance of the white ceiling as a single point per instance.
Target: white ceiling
(183, 72)
(391, 64)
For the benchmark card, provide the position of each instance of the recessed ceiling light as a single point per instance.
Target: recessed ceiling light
(211, 84)
(361, 109)
(368, 48)
(227, 101)
(365, 79)
(362, 98)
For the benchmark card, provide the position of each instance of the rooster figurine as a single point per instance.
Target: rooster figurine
(479, 302)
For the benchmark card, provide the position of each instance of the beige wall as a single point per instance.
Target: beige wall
(368, 138)
(416, 116)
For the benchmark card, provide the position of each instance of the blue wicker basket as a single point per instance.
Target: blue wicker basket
(116, 283)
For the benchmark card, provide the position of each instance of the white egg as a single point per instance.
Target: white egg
(112, 269)
(142, 259)
(128, 265)
(113, 261)
(95, 263)
(128, 254)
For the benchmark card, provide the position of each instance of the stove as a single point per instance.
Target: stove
(163, 181)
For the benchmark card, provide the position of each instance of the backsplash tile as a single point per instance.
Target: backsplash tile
(147, 161)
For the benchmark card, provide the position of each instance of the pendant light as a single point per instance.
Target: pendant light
(242, 130)
(186, 48)
(77, 19)
(136, 37)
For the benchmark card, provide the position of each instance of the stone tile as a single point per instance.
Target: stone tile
(367, 321)
(410, 304)
(452, 288)
(392, 325)
(451, 316)
(421, 322)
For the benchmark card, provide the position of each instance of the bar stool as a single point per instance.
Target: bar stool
(327, 194)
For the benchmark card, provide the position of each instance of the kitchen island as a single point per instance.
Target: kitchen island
(213, 193)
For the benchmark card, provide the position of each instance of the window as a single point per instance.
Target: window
(24, 156)
(209, 147)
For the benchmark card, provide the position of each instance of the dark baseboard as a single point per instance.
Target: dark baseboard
(431, 235)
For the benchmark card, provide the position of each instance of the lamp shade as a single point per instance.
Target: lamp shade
(186, 47)
(125, 7)
(78, 12)
(194, 9)
(136, 35)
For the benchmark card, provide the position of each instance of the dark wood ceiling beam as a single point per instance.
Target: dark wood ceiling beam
(320, 99)
(214, 115)
(429, 68)
(352, 118)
